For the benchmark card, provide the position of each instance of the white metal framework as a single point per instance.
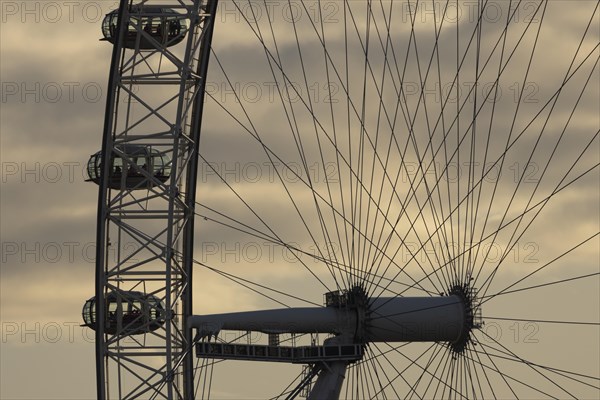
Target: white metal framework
(147, 176)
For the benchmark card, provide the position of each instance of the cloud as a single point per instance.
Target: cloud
(322, 184)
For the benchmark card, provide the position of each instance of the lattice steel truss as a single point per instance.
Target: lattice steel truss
(144, 237)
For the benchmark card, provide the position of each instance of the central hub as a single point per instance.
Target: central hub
(448, 318)
(472, 315)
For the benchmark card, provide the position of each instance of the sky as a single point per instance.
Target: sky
(54, 74)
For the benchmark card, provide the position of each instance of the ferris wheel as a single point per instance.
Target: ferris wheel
(396, 200)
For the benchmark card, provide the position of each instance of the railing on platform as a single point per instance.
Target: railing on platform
(295, 355)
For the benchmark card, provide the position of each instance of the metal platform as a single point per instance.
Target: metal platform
(287, 354)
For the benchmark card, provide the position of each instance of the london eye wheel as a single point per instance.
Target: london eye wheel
(395, 200)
